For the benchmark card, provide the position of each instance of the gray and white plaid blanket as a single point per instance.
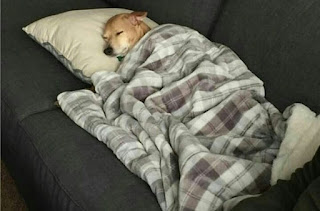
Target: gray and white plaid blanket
(185, 115)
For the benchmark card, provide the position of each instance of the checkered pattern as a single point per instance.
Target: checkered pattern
(186, 116)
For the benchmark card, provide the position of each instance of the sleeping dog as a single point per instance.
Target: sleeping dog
(121, 33)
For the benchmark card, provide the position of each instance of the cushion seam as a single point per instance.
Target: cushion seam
(34, 113)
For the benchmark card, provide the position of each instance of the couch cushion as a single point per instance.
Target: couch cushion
(65, 168)
(197, 14)
(31, 77)
(279, 41)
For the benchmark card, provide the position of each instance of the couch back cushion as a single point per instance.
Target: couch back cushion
(197, 14)
(280, 42)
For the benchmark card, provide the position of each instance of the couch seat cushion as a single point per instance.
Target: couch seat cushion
(83, 167)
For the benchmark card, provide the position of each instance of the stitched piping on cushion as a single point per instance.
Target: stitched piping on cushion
(45, 164)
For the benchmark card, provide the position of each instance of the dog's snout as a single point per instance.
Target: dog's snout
(108, 51)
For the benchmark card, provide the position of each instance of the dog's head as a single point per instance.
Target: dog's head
(123, 31)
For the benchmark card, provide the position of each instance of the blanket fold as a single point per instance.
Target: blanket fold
(185, 115)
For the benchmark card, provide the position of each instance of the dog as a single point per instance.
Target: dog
(123, 31)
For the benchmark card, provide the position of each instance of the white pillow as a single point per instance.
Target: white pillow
(75, 39)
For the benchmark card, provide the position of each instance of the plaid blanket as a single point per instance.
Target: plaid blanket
(185, 115)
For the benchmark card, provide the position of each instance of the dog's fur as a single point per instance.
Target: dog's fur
(123, 31)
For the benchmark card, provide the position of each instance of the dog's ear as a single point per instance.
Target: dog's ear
(136, 17)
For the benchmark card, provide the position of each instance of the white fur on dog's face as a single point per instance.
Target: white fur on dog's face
(123, 31)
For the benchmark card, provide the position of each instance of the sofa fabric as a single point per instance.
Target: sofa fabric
(65, 168)
(279, 42)
(200, 15)
(33, 178)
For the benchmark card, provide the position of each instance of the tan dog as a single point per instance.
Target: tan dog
(123, 31)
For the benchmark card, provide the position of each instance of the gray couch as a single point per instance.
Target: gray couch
(59, 166)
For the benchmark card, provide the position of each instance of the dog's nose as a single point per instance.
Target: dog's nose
(108, 51)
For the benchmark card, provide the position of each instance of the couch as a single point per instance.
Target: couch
(59, 166)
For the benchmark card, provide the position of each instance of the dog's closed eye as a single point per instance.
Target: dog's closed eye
(118, 33)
